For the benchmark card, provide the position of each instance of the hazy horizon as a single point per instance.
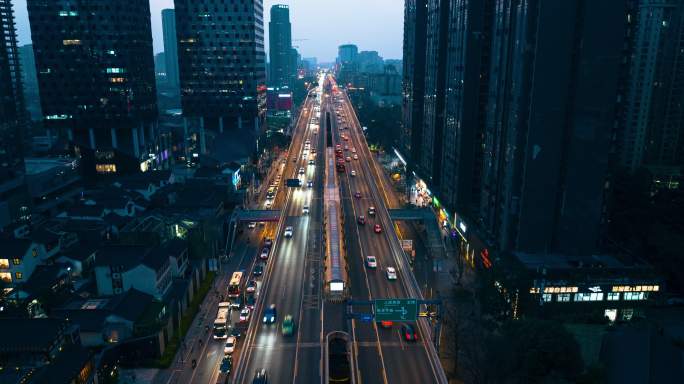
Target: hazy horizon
(310, 31)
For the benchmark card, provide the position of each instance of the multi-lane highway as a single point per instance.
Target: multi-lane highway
(293, 277)
(408, 362)
(291, 272)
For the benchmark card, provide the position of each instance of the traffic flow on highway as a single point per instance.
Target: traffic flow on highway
(293, 305)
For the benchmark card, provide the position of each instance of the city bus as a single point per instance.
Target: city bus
(221, 322)
(235, 285)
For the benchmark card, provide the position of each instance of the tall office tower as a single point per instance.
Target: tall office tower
(29, 79)
(295, 59)
(347, 53)
(551, 110)
(12, 120)
(370, 62)
(222, 64)
(170, 47)
(653, 131)
(346, 63)
(12, 114)
(430, 161)
(467, 75)
(413, 77)
(96, 73)
(280, 46)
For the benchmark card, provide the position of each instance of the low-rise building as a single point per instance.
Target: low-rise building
(106, 320)
(591, 287)
(18, 259)
(119, 268)
(52, 183)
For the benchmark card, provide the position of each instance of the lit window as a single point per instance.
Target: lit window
(58, 117)
(547, 297)
(4, 263)
(18, 275)
(16, 261)
(563, 297)
(105, 168)
(631, 296)
(116, 80)
(582, 296)
(115, 70)
(613, 296)
(71, 42)
(6, 277)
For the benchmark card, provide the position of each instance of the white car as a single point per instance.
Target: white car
(371, 262)
(353, 150)
(231, 343)
(356, 157)
(244, 315)
(289, 231)
(353, 173)
(301, 171)
(251, 225)
(305, 210)
(264, 253)
(268, 204)
(391, 273)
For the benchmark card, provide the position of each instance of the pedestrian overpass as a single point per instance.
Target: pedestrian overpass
(426, 217)
(241, 215)
(255, 215)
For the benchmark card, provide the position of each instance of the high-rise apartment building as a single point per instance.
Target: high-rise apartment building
(12, 121)
(280, 46)
(653, 129)
(551, 111)
(96, 73)
(468, 49)
(29, 79)
(222, 64)
(12, 114)
(519, 111)
(170, 47)
(413, 77)
(430, 161)
(347, 54)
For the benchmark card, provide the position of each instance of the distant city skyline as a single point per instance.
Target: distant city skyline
(378, 28)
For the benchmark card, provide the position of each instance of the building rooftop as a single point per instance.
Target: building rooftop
(130, 305)
(66, 368)
(45, 277)
(557, 261)
(29, 335)
(40, 165)
(127, 256)
(13, 248)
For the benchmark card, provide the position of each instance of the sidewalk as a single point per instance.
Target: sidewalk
(180, 370)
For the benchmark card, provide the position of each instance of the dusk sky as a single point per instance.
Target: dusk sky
(375, 25)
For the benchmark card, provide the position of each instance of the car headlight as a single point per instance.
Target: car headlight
(264, 319)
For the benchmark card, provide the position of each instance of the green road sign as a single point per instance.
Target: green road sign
(396, 309)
